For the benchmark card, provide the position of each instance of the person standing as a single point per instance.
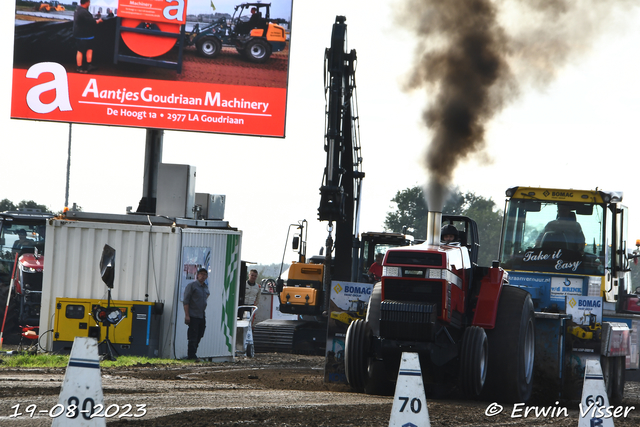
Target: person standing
(195, 304)
(375, 270)
(252, 289)
(84, 31)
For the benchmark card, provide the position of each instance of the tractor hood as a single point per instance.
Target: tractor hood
(31, 263)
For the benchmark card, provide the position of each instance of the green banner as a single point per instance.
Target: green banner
(230, 296)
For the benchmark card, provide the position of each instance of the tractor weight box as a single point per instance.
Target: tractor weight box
(137, 334)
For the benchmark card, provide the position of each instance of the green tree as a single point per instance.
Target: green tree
(7, 205)
(30, 204)
(411, 211)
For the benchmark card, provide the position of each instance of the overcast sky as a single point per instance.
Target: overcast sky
(579, 131)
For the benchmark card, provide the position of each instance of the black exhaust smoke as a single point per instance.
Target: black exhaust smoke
(473, 57)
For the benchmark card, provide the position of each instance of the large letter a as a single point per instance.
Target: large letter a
(59, 84)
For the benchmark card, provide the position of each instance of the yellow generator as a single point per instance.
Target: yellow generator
(303, 293)
(137, 334)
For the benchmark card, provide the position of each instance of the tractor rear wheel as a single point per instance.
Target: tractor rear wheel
(473, 361)
(209, 47)
(355, 354)
(512, 348)
(258, 51)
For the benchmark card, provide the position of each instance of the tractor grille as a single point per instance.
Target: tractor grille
(430, 259)
(32, 281)
(413, 290)
(407, 320)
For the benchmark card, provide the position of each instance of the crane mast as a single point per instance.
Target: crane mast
(342, 180)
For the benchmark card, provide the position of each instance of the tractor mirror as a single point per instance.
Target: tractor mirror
(296, 243)
(532, 206)
(107, 265)
(585, 209)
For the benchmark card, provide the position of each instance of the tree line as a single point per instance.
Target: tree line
(8, 205)
(411, 212)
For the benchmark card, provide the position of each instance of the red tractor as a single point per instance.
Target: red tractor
(22, 236)
(471, 329)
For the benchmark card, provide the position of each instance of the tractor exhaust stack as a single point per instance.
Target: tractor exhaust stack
(434, 223)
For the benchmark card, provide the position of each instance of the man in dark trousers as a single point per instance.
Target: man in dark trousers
(84, 31)
(195, 304)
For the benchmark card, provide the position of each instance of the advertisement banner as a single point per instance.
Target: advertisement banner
(164, 64)
(348, 301)
(585, 326)
(173, 11)
(193, 259)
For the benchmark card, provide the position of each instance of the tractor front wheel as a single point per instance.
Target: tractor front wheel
(511, 348)
(258, 51)
(355, 354)
(473, 361)
(377, 382)
(209, 47)
(613, 371)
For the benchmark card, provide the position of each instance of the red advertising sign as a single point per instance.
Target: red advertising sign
(219, 85)
(172, 11)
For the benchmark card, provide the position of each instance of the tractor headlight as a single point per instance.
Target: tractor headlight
(391, 271)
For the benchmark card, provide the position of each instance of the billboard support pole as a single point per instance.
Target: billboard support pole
(66, 190)
(152, 160)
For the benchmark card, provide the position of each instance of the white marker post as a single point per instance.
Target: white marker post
(82, 388)
(594, 402)
(410, 402)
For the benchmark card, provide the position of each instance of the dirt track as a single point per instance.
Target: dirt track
(269, 390)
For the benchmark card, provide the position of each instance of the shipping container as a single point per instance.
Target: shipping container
(156, 258)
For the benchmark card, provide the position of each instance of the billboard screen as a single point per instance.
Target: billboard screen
(198, 65)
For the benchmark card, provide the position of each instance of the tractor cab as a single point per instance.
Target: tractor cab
(249, 16)
(21, 233)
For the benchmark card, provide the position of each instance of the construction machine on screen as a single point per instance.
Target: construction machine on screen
(51, 6)
(253, 35)
(559, 296)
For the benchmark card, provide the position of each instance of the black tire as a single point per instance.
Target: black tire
(606, 364)
(474, 358)
(613, 371)
(377, 381)
(512, 348)
(209, 47)
(11, 333)
(258, 51)
(251, 351)
(355, 354)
